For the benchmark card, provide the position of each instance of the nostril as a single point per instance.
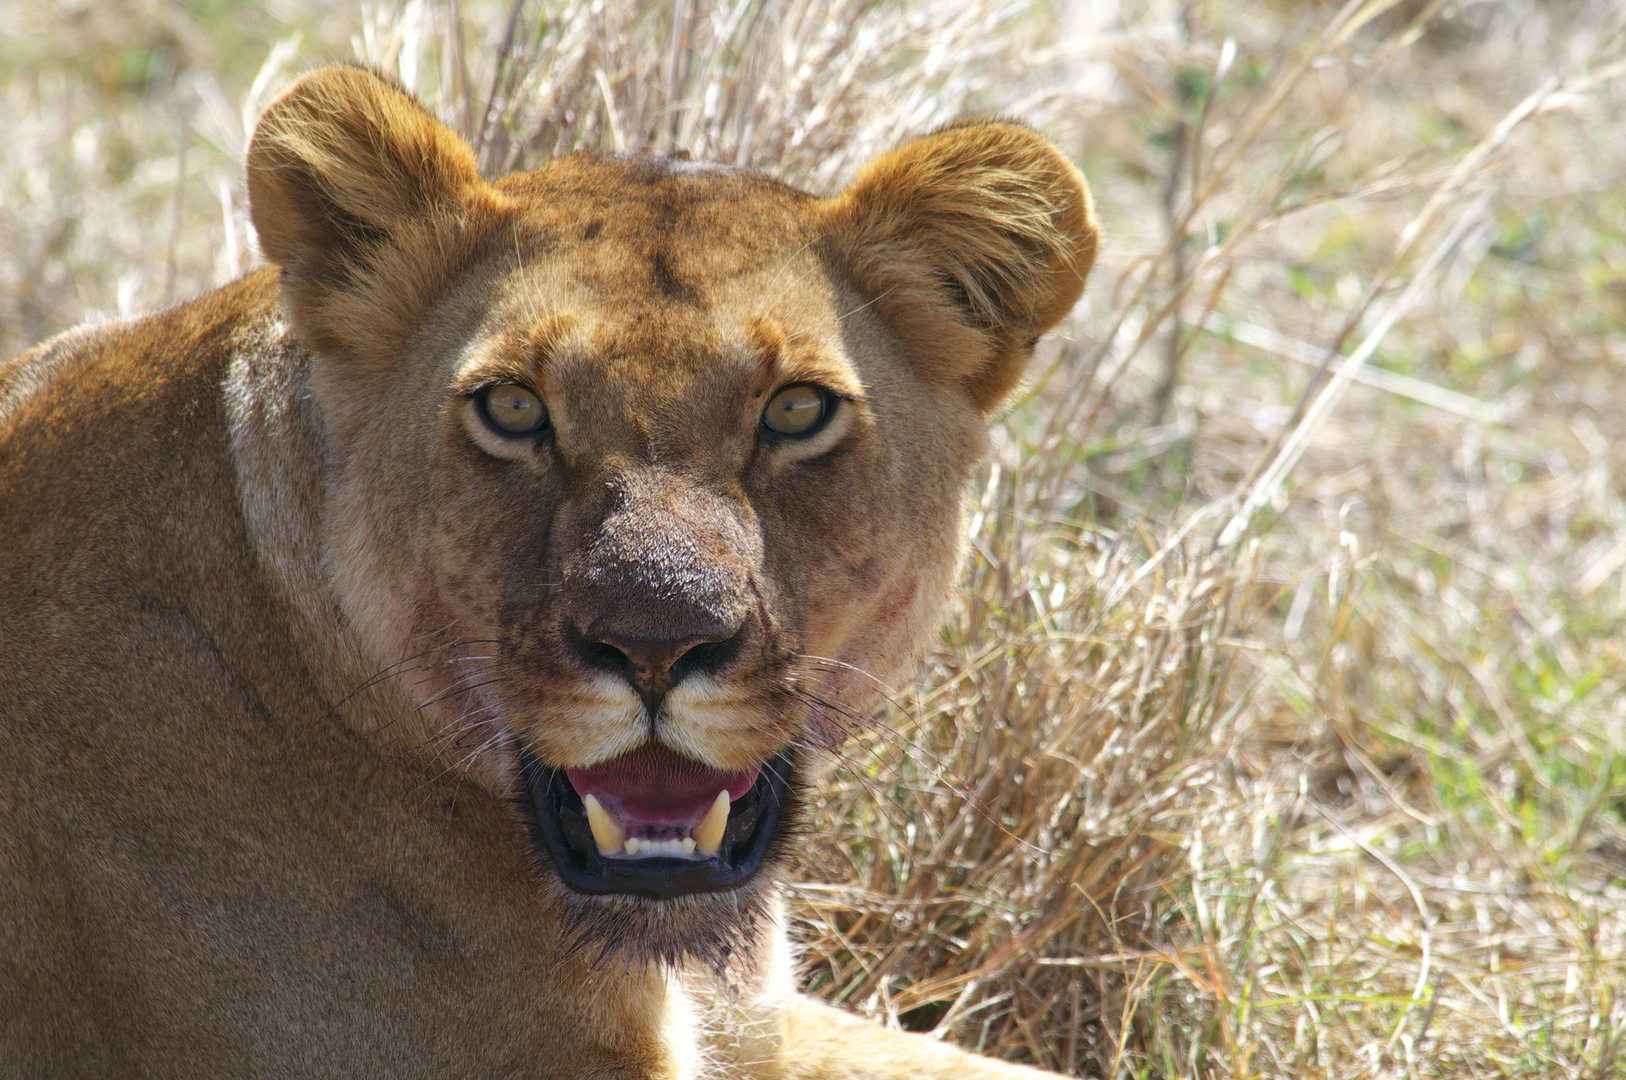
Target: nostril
(600, 654)
(705, 658)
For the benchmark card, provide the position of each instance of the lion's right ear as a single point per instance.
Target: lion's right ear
(367, 202)
(971, 242)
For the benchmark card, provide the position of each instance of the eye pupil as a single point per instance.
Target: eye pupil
(797, 410)
(513, 410)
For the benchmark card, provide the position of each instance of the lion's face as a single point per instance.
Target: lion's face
(647, 475)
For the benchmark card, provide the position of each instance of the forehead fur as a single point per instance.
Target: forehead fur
(639, 217)
(601, 276)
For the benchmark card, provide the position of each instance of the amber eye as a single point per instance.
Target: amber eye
(797, 410)
(512, 409)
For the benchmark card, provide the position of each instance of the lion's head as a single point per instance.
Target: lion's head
(648, 473)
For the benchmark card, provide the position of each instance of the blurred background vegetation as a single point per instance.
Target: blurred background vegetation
(1279, 729)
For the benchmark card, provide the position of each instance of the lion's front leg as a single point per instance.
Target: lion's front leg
(763, 1029)
(818, 1042)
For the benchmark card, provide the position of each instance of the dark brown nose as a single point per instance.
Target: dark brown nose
(654, 666)
(662, 587)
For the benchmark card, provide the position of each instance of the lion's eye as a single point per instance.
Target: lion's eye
(798, 410)
(512, 409)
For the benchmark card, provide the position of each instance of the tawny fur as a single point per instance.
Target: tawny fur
(280, 609)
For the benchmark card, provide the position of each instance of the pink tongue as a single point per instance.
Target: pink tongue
(657, 786)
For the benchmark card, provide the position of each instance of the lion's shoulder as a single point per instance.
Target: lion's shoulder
(124, 365)
(118, 495)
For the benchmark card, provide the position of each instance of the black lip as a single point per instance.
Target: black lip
(559, 827)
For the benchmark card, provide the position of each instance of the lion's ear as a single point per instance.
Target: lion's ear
(971, 242)
(367, 202)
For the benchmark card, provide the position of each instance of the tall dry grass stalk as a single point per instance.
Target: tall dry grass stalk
(1278, 729)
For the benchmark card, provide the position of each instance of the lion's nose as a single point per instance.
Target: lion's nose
(654, 666)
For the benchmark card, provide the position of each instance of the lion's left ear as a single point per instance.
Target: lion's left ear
(971, 242)
(367, 202)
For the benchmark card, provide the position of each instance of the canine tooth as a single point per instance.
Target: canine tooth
(606, 833)
(708, 835)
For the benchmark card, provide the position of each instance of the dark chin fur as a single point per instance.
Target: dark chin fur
(716, 929)
(710, 929)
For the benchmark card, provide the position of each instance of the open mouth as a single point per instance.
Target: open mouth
(654, 823)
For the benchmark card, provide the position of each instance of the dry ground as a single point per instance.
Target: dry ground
(1282, 728)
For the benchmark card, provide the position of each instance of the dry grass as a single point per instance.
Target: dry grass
(1280, 729)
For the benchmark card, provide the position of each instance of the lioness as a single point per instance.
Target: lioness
(417, 653)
